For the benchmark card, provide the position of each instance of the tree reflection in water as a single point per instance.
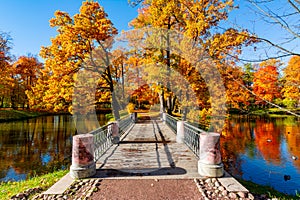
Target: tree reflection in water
(35, 146)
(263, 150)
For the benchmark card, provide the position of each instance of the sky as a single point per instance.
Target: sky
(27, 22)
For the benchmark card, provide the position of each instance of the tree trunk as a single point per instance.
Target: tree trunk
(168, 62)
(115, 106)
(161, 102)
(1, 102)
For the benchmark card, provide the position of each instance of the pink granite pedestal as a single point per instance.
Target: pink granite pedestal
(180, 132)
(210, 163)
(83, 165)
(114, 130)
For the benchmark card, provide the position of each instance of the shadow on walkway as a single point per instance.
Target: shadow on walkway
(105, 173)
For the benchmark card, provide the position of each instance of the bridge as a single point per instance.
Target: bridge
(148, 146)
(136, 151)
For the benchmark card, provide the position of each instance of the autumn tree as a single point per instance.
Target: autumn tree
(266, 84)
(26, 72)
(119, 57)
(291, 88)
(6, 80)
(198, 20)
(144, 95)
(78, 37)
(5, 46)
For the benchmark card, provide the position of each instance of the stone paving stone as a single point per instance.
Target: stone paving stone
(231, 184)
(60, 186)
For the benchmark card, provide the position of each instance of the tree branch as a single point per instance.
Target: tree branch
(294, 6)
(274, 19)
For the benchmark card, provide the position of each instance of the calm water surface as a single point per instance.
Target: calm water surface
(36, 146)
(264, 150)
(256, 149)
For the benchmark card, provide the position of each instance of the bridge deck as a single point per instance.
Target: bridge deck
(149, 149)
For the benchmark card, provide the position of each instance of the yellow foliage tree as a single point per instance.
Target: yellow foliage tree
(199, 20)
(77, 38)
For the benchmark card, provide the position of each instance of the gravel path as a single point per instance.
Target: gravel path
(146, 189)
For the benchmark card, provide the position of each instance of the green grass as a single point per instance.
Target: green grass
(8, 189)
(10, 115)
(271, 112)
(267, 190)
(110, 117)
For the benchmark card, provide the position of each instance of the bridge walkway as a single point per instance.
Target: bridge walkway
(148, 149)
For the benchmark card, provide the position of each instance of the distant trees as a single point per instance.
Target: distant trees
(291, 87)
(17, 77)
(269, 87)
(5, 46)
(5, 79)
(27, 70)
(266, 82)
(84, 43)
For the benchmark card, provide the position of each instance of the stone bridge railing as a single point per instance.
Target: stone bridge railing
(88, 148)
(205, 145)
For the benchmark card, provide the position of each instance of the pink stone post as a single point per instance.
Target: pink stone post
(83, 165)
(180, 132)
(164, 117)
(210, 163)
(114, 129)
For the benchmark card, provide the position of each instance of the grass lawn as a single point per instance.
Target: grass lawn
(269, 191)
(8, 189)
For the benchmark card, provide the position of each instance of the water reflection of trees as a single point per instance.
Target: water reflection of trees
(259, 136)
(292, 135)
(37, 145)
(267, 139)
(236, 136)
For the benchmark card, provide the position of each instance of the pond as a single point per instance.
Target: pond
(36, 146)
(264, 150)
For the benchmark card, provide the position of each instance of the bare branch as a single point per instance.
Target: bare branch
(294, 6)
(274, 19)
(258, 60)
(279, 47)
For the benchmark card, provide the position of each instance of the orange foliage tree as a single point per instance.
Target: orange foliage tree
(6, 80)
(77, 37)
(26, 72)
(291, 88)
(266, 84)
